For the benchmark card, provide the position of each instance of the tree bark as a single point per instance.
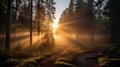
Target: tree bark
(31, 24)
(7, 40)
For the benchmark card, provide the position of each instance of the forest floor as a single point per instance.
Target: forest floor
(84, 59)
(85, 56)
(73, 53)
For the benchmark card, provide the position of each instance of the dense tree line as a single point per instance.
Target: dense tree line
(104, 16)
(110, 55)
(79, 18)
(29, 15)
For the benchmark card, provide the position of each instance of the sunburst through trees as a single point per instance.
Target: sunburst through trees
(59, 33)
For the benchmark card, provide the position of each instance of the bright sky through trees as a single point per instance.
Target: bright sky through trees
(60, 6)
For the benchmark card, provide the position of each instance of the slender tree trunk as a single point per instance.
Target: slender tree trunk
(38, 28)
(31, 24)
(16, 9)
(7, 40)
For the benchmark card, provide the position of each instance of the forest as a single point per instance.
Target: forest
(86, 34)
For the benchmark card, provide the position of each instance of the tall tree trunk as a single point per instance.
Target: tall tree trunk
(31, 24)
(16, 9)
(7, 40)
(38, 28)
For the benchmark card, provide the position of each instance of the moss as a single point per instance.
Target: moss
(30, 62)
(109, 62)
(102, 61)
(38, 59)
(63, 64)
(27, 63)
(62, 59)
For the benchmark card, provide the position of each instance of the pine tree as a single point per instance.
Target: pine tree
(90, 9)
(63, 18)
(31, 22)
(79, 6)
(50, 9)
(7, 41)
(112, 10)
(40, 16)
(70, 12)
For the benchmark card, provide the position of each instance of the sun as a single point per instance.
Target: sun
(55, 25)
